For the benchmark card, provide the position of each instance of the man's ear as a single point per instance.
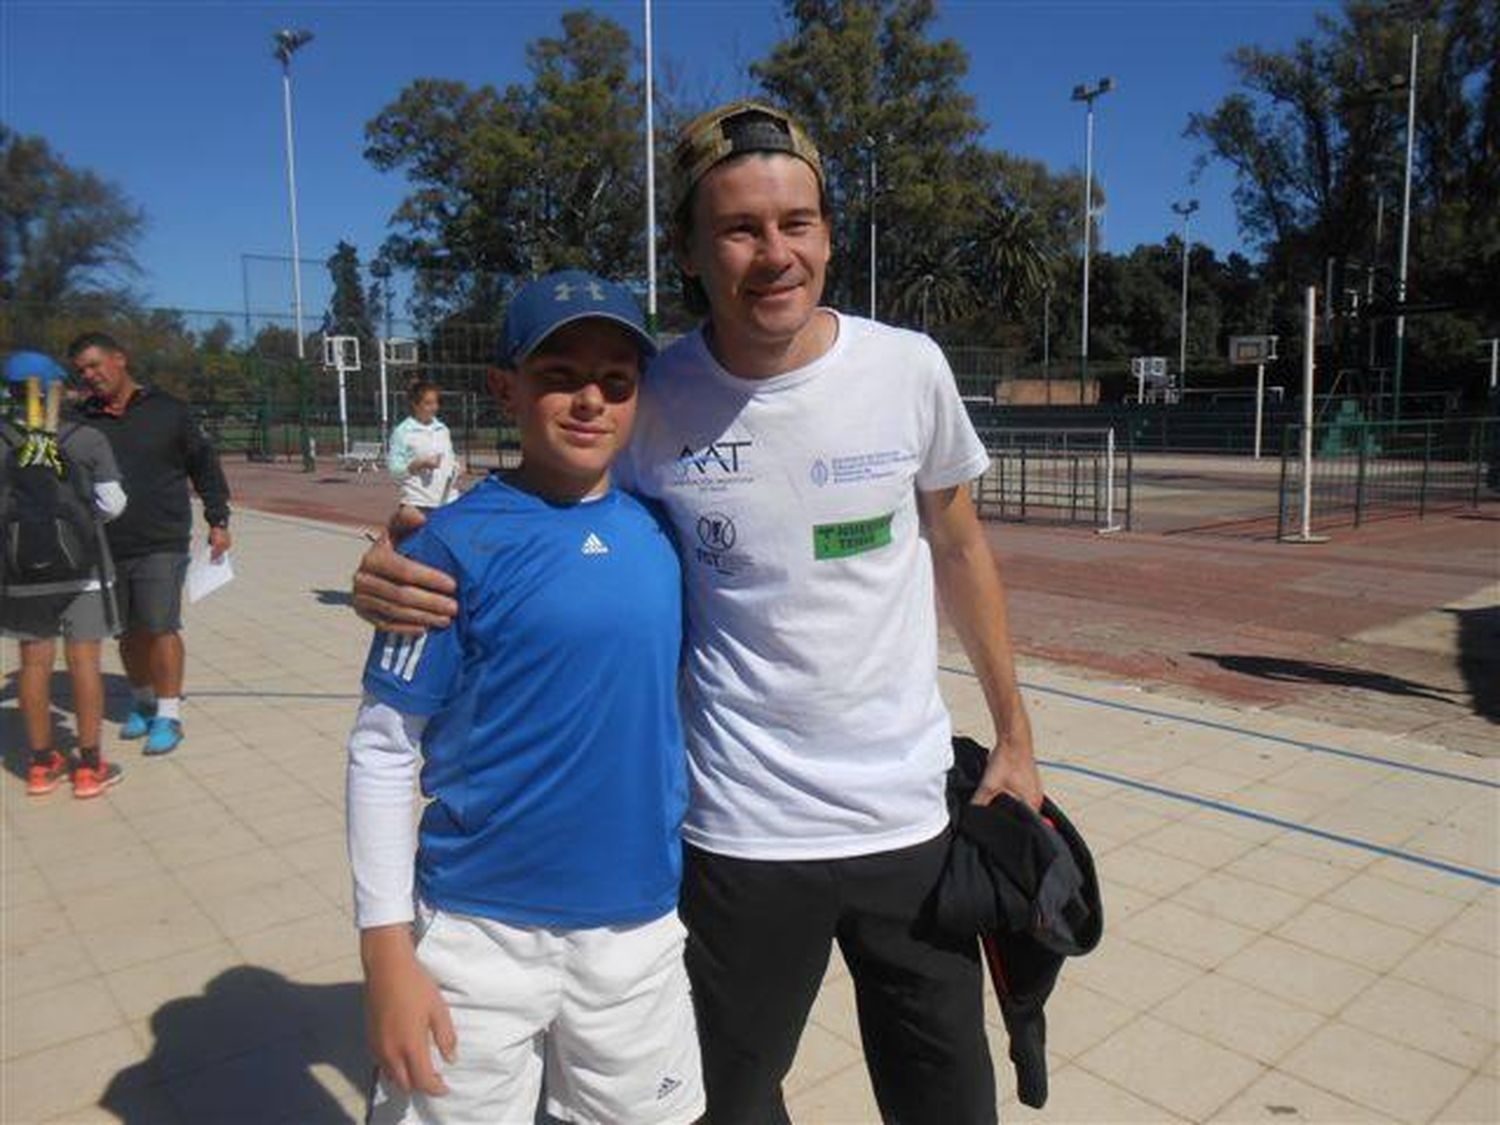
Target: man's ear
(682, 254)
(501, 384)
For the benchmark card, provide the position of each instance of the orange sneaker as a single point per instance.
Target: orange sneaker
(91, 782)
(44, 776)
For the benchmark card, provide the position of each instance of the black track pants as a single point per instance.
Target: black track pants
(759, 936)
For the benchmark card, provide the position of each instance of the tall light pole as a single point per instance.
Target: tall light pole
(1087, 94)
(874, 187)
(1047, 338)
(1185, 208)
(287, 44)
(1411, 136)
(650, 183)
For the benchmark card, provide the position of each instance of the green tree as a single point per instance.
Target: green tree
(1317, 136)
(513, 183)
(65, 233)
(348, 314)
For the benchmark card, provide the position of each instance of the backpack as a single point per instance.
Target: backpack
(48, 530)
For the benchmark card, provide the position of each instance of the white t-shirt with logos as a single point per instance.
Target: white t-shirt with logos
(811, 707)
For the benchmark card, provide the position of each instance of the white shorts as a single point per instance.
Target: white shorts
(602, 1019)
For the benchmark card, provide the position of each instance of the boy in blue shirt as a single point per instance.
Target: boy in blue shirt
(534, 941)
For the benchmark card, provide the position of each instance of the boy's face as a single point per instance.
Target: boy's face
(574, 400)
(760, 246)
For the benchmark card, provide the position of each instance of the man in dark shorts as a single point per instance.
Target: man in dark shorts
(160, 449)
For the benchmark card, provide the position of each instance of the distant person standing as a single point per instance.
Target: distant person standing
(421, 456)
(58, 481)
(160, 449)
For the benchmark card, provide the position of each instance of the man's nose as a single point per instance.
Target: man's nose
(775, 249)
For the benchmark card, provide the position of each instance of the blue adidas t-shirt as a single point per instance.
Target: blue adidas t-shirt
(553, 756)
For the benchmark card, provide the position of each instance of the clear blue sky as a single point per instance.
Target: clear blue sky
(180, 104)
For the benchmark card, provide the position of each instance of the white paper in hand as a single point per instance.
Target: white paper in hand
(204, 576)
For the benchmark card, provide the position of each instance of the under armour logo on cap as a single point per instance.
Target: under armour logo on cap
(563, 291)
(539, 308)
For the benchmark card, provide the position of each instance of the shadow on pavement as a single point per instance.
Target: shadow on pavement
(243, 1051)
(1286, 670)
(333, 597)
(1479, 657)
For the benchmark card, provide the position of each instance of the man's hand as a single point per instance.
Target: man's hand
(403, 1010)
(218, 543)
(406, 519)
(401, 596)
(1011, 769)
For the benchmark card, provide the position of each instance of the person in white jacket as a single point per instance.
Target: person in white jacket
(420, 454)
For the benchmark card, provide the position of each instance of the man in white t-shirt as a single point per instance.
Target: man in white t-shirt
(816, 468)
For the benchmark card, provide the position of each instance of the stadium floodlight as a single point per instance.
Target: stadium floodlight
(1185, 208)
(1086, 94)
(287, 43)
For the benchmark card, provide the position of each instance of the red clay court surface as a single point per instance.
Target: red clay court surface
(1203, 602)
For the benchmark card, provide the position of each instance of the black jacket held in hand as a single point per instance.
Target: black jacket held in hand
(1025, 885)
(159, 448)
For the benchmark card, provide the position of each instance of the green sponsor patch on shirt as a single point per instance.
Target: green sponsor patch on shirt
(840, 540)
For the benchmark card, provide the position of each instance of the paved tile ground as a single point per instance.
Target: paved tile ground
(1302, 917)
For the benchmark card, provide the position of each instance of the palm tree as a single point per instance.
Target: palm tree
(1010, 257)
(934, 286)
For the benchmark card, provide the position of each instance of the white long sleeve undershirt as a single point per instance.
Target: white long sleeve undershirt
(384, 760)
(109, 498)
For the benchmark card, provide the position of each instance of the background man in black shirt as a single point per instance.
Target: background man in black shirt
(160, 448)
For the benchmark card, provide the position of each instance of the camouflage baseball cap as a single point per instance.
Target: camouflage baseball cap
(739, 127)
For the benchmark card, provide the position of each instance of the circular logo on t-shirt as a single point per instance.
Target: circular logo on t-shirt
(819, 472)
(716, 531)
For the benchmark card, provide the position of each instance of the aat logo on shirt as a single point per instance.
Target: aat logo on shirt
(713, 467)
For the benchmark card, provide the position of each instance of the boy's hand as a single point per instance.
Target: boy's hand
(403, 1008)
(401, 596)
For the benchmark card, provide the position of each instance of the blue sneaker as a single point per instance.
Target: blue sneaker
(138, 722)
(164, 736)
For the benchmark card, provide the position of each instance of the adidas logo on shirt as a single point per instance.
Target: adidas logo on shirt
(593, 545)
(401, 655)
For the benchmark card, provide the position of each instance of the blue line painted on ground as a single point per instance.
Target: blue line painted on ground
(1297, 743)
(1290, 825)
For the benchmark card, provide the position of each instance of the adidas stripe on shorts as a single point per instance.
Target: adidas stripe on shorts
(602, 1019)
